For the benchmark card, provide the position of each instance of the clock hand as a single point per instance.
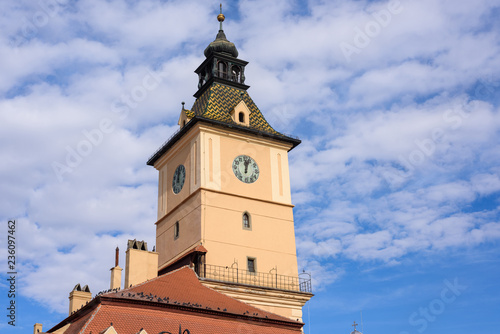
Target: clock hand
(247, 161)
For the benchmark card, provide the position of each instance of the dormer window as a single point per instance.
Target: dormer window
(184, 117)
(241, 114)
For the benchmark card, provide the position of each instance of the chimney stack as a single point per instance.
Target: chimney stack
(116, 273)
(140, 264)
(37, 328)
(79, 297)
(117, 254)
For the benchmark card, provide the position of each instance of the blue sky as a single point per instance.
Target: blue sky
(396, 182)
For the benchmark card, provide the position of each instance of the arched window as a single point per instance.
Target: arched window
(241, 117)
(222, 67)
(247, 225)
(202, 79)
(235, 72)
(176, 230)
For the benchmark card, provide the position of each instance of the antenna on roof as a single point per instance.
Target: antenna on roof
(362, 331)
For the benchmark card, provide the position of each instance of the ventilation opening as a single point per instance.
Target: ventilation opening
(241, 117)
(134, 244)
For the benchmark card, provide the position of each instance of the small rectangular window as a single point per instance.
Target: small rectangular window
(176, 230)
(251, 265)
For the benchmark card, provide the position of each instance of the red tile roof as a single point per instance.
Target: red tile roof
(176, 298)
(129, 319)
(181, 287)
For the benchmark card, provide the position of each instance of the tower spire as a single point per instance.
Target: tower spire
(220, 18)
(221, 44)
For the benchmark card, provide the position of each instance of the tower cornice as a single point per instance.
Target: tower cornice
(179, 134)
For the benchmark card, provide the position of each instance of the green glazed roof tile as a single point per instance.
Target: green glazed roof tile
(219, 100)
(189, 113)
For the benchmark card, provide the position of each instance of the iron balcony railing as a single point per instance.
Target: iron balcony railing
(268, 280)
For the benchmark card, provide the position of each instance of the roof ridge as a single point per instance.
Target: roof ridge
(90, 319)
(150, 280)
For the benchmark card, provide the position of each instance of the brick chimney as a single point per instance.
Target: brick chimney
(116, 273)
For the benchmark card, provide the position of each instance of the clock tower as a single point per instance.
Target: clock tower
(224, 202)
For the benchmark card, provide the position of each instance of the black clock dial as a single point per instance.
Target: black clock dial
(178, 179)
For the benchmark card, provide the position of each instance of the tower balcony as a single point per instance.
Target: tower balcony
(227, 274)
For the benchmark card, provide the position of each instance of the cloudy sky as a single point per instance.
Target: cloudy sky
(396, 182)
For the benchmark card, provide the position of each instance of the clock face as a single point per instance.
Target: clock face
(245, 169)
(179, 178)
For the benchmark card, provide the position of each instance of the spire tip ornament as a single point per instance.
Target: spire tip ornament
(221, 17)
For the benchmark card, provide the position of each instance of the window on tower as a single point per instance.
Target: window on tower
(251, 264)
(222, 69)
(246, 221)
(176, 230)
(235, 72)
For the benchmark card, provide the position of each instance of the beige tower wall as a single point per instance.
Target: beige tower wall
(218, 150)
(270, 241)
(210, 206)
(189, 217)
(185, 152)
(285, 303)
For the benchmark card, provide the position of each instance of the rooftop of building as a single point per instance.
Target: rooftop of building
(164, 303)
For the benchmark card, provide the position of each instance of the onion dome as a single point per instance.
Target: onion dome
(221, 44)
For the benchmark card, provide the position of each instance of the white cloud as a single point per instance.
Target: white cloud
(486, 184)
(370, 183)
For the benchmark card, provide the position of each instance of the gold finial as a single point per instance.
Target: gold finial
(221, 16)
